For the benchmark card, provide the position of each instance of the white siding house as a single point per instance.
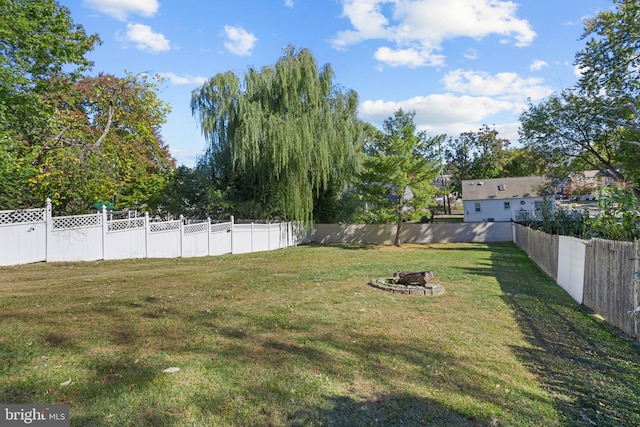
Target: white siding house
(502, 199)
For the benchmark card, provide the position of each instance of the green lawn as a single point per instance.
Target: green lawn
(295, 337)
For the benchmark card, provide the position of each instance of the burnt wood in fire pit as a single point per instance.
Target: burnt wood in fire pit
(412, 277)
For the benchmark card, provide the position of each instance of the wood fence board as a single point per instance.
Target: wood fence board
(609, 287)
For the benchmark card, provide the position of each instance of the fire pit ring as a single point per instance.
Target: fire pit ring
(388, 284)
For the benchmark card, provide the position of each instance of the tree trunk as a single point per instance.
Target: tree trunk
(412, 277)
(397, 241)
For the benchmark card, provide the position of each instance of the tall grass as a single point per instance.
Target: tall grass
(296, 337)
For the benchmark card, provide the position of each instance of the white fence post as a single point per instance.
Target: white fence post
(105, 227)
(48, 215)
(208, 235)
(252, 237)
(181, 235)
(232, 219)
(147, 231)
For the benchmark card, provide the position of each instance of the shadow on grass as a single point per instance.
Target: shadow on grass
(384, 410)
(591, 367)
(345, 246)
(371, 358)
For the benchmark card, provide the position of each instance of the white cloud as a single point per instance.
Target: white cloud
(509, 131)
(437, 109)
(538, 65)
(183, 80)
(471, 54)
(187, 158)
(579, 70)
(470, 100)
(422, 25)
(288, 3)
(407, 57)
(368, 21)
(443, 113)
(120, 9)
(504, 86)
(144, 38)
(238, 40)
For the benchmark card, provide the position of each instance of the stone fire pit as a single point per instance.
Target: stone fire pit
(410, 283)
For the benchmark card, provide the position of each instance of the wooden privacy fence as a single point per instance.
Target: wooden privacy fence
(601, 274)
(610, 287)
(34, 235)
(480, 232)
(541, 247)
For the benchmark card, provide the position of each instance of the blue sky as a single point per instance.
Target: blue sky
(458, 64)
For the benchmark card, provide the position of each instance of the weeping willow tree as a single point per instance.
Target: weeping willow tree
(282, 136)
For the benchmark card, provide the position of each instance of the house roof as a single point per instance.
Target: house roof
(503, 188)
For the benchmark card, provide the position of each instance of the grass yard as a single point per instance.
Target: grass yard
(295, 337)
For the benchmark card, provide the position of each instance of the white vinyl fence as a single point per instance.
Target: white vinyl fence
(34, 235)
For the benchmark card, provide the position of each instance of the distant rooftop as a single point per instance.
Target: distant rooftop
(503, 188)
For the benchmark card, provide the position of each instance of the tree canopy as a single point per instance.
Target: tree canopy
(102, 142)
(596, 124)
(67, 136)
(400, 165)
(475, 155)
(610, 61)
(38, 40)
(280, 137)
(568, 130)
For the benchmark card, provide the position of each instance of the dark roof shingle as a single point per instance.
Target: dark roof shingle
(503, 188)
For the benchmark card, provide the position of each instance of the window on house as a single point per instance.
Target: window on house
(500, 187)
(507, 206)
(538, 205)
(477, 207)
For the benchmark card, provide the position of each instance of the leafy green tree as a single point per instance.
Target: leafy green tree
(475, 155)
(611, 58)
(74, 139)
(523, 161)
(102, 143)
(611, 64)
(619, 215)
(38, 40)
(185, 193)
(41, 52)
(15, 175)
(568, 130)
(595, 125)
(279, 138)
(400, 165)
(112, 125)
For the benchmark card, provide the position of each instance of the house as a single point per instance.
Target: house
(442, 181)
(589, 181)
(502, 199)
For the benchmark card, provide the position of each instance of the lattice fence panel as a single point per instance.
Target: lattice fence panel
(125, 224)
(224, 227)
(201, 227)
(116, 215)
(77, 221)
(24, 215)
(157, 227)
